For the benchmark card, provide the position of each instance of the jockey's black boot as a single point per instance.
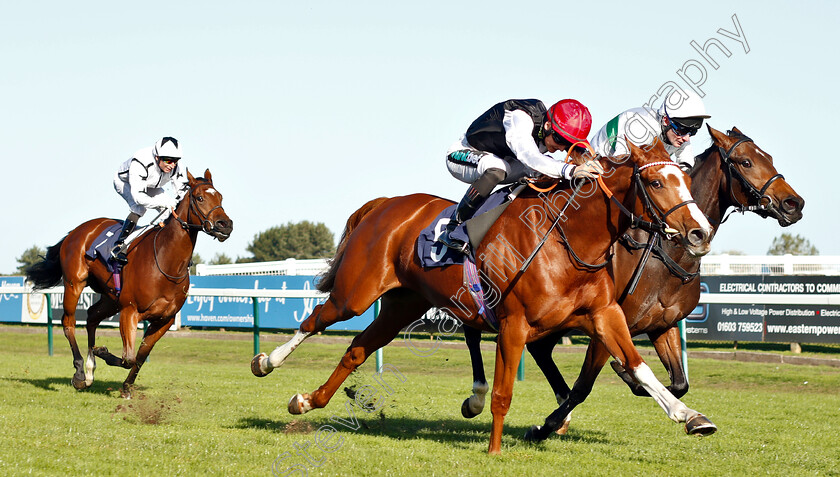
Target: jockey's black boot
(118, 252)
(464, 211)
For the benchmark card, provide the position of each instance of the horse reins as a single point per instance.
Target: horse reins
(658, 225)
(204, 218)
(764, 201)
(731, 170)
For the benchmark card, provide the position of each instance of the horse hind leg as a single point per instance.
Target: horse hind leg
(263, 364)
(320, 318)
(100, 310)
(72, 292)
(399, 309)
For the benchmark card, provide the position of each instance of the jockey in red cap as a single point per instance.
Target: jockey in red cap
(507, 143)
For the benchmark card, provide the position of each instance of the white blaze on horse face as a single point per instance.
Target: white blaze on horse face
(685, 194)
(211, 191)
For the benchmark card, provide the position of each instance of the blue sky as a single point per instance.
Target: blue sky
(305, 111)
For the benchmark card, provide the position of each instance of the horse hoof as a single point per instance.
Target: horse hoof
(299, 404)
(79, 384)
(100, 351)
(466, 411)
(563, 429)
(255, 366)
(700, 425)
(531, 434)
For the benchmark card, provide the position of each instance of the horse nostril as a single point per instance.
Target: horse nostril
(791, 205)
(696, 237)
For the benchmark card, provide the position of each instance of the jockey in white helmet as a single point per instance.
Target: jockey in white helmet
(678, 118)
(140, 181)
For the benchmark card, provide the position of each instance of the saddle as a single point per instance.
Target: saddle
(103, 244)
(433, 253)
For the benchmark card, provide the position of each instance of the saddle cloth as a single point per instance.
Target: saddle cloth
(435, 254)
(104, 243)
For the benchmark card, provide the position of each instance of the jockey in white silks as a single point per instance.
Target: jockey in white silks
(140, 181)
(678, 118)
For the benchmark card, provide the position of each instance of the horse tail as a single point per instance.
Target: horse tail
(46, 273)
(327, 279)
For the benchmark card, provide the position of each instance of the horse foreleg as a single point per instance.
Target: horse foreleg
(616, 338)
(128, 330)
(669, 349)
(558, 421)
(668, 346)
(541, 351)
(509, 349)
(155, 332)
(473, 405)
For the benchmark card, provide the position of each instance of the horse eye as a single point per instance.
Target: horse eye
(746, 163)
(200, 198)
(656, 184)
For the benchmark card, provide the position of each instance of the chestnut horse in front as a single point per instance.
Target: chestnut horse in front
(559, 290)
(155, 281)
(733, 173)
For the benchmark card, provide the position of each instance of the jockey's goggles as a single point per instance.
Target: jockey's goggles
(168, 160)
(681, 129)
(561, 141)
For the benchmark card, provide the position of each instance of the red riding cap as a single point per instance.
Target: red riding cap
(571, 119)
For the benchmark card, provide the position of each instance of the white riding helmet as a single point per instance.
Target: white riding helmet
(681, 104)
(168, 147)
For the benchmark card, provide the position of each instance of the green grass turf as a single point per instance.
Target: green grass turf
(199, 410)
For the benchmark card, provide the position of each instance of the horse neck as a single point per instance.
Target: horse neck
(710, 187)
(174, 242)
(604, 220)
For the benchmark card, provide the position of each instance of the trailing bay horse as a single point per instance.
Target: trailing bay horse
(155, 281)
(733, 173)
(561, 289)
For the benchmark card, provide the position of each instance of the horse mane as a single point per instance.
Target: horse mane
(700, 158)
(326, 281)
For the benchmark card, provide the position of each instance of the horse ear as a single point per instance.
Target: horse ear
(718, 137)
(635, 150)
(190, 177)
(735, 129)
(207, 175)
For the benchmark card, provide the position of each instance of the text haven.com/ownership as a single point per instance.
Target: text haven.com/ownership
(221, 318)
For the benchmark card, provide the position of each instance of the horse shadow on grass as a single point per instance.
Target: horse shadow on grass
(56, 384)
(457, 432)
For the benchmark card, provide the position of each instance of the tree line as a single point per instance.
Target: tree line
(299, 240)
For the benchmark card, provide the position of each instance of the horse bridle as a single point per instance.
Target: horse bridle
(763, 201)
(657, 226)
(193, 209)
(206, 225)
